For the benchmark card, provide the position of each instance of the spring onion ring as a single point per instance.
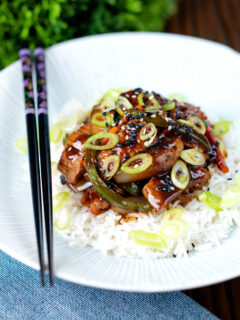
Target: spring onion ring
(230, 197)
(210, 200)
(198, 124)
(111, 165)
(21, 145)
(168, 106)
(173, 229)
(148, 239)
(55, 133)
(99, 120)
(179, 97)
(59, 201)
(180, 175)
(112, 141)
(172, 214)
(193, 156)
(148, 131)
(62, 221)
(221, 127)
(144, 158)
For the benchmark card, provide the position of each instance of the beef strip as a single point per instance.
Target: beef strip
(71, 163)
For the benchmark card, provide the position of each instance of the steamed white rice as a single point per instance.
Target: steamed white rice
(110, 234)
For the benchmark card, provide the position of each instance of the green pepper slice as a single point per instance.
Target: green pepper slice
(108, 194)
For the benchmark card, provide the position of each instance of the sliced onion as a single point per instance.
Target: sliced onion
(144, 158)
(210, 200)
(180, 175)
(60, 200)
(174, 229)
(198, 124)
(193, 156)
(230, 197)
(111, 137)
(172, 214)
(221, 127)
(148, 239)
(168, 106)
(22, 145)
(111, 165)
(99, 120)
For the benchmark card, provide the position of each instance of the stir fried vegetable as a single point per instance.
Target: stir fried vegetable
(140, 144)
(107, 193)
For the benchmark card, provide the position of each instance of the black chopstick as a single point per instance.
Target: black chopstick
(25, 57)
(44, 153)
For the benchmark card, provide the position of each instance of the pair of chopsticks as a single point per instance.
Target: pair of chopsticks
(35, 95)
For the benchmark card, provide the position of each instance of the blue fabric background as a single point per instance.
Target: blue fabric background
(22, 297)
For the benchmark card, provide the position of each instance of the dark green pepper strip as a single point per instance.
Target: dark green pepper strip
(182, 129)
(108, 194)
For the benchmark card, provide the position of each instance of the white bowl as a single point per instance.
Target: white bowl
(207, 73)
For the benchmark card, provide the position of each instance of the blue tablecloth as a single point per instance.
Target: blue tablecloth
(22, 297)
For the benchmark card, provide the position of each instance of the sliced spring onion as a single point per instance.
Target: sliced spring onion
(193, 156)
(62, 220)
(237, 180)
(179, 97)
(147, 131)
(142, 162)
(68, 125)
(113, 93)
(59, 201)
(221, 127)
(111, 166)
(210, 200)
(21, 145)
(111, 137)
(56, 133)
(198, 124)
(148, 239)
(140, 98)
(99, 120)
(230, 197)
(186, 122)
(180, 175)
(173, 229)
(222, 147)
(168, 106)
(172, 214)
(107, 103)
(154, 107)
(123, 102)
